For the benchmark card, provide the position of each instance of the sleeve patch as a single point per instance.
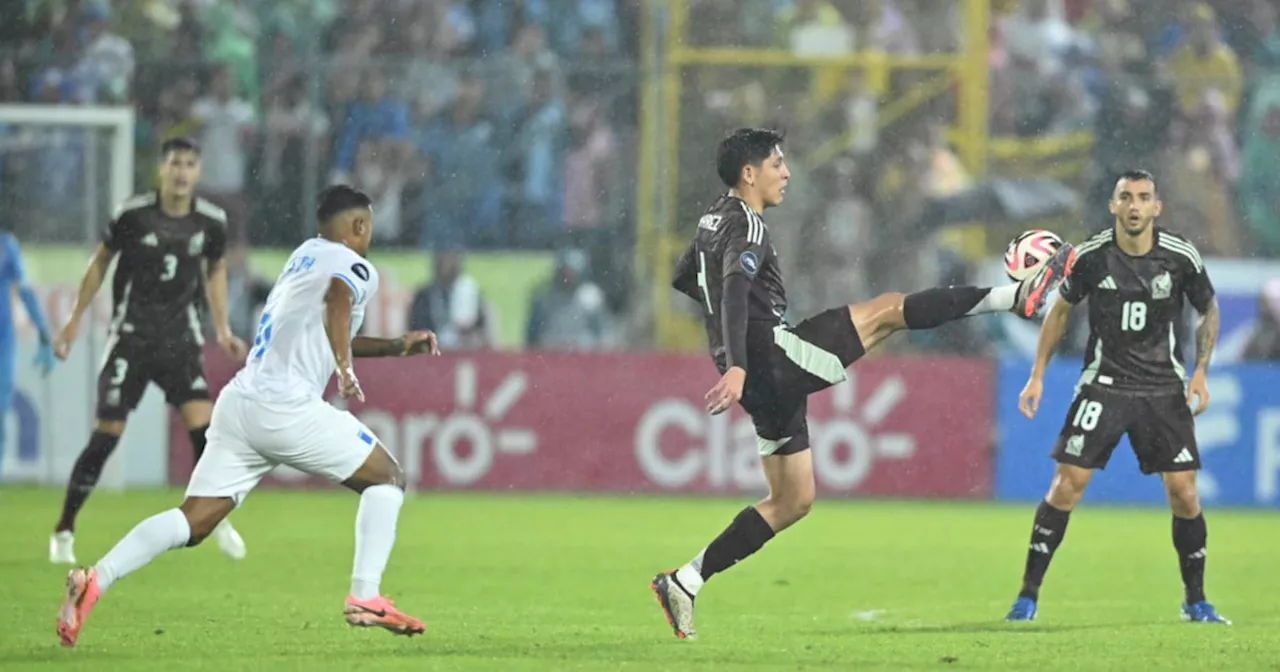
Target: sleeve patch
(749, 262)
(361, 271)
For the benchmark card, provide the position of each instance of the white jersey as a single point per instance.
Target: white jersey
(290, 360)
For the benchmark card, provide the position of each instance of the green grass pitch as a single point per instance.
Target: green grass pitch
(561, 583)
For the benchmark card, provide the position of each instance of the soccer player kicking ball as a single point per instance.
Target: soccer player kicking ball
(273, 412)
(731, 269)
(1135, 276)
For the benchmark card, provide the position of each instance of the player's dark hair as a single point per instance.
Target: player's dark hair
(338, 199)
(181, 144)
(1138, 175)
(744, 147)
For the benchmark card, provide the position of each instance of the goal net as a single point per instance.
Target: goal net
(63, 170)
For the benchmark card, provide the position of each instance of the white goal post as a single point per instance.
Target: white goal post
(118, 121)
(63, 403)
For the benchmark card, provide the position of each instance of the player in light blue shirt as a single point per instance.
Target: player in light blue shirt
(13, 274)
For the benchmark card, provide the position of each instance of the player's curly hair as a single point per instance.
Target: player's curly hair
(744, 147)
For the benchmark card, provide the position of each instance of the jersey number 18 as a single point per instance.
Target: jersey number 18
(1133, 316)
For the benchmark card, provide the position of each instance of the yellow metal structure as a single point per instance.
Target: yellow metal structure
(668, 56)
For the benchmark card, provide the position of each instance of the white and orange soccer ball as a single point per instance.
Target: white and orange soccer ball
(1028, 251)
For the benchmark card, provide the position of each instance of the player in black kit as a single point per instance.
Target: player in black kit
(731, 269)
(1135, 276)
(169, 244)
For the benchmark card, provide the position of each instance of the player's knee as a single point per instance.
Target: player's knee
(879, 317)
(203, 515)
(793, 506)
(1067, 489)
(1184, 499)
(112, 427)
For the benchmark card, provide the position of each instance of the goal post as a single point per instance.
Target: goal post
(118, 122)
(65, 169)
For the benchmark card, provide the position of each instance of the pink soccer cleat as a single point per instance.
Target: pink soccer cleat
(82, 595)
(379, 612)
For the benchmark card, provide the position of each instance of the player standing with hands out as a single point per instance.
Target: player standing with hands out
(169, 244)
(273, 412)
(1135, 276)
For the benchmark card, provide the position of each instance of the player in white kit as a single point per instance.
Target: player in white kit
(273, 412)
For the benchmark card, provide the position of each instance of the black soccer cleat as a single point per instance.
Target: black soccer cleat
(677, 605)
(1033, 291)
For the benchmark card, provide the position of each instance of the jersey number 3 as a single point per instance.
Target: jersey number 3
(170, 268)
(263, 338)
(1133, 316)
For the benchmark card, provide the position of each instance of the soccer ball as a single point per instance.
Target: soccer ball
(1028, 251)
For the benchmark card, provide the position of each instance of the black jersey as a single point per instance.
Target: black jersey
(159, 275)
(1135, 306)
(732, 239)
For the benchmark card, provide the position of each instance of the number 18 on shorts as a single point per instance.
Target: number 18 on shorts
(1160, 429)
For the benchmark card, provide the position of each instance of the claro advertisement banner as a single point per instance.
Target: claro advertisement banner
(1239, 439)
(635, 423)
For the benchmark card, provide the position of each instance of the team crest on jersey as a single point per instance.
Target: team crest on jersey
(151, 240)
(1075, 445)
(361, 271)
(750, 263)
(196, 245)
(1162, 286)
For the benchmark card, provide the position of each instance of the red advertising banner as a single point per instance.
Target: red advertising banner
(635, 423)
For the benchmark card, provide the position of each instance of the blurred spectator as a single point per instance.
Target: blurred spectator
(1259, 189)
(379, 174)
(535, 166)
(1202, 171)
(452, 306)
(291, 123)
(462, 200)
(106, 65)
(1264, 343)
(515, 71)
(1203, 63)
(378, 116)
(227, 130)
(570, 313)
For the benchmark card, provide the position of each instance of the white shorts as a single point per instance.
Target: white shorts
(248, 438)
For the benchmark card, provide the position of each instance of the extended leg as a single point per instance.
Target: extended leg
(886, 314)
(187, 525)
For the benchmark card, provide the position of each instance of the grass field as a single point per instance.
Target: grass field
(557, 583)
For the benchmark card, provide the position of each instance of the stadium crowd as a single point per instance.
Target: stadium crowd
(482, 124)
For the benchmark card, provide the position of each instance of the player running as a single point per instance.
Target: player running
(13, 273)
(169, 243)
(1135, 276)
(273, 412)
(731, 269)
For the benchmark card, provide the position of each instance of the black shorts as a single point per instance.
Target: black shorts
(1160, 428)
(176, 368)
(787, 365)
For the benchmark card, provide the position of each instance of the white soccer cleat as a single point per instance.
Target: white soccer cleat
(677, 605)
(229, 541)
(62, 548)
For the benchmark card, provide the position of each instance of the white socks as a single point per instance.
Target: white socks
(375, 536)
(997, 300)
(690, 576)
(144, 543)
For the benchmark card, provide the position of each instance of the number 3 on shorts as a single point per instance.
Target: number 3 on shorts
(1087, 415)
(263, 338)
